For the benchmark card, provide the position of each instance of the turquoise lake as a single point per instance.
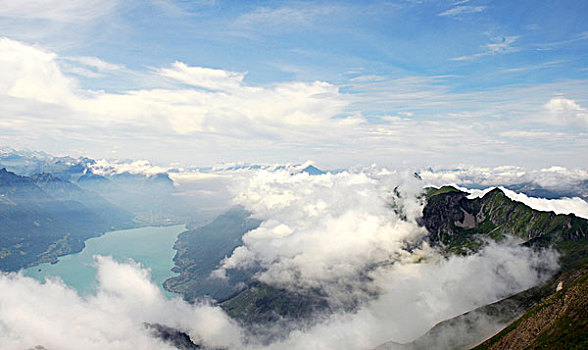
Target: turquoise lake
(150, 246)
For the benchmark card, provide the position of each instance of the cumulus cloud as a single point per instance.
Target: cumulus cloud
(319, 230)
(218, 113)
(136, 167)
(232, 108)
(32, 73)
(354, 236)
(567, 111)
(208, 78)
(96, 63)
(417, 296)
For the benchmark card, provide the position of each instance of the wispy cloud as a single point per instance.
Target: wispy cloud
(497, 46)
(544, 65)
(462, 10)
(283, 16)
(56, 10)
(553, 45)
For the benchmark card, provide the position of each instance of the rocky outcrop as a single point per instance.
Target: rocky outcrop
(460, 224)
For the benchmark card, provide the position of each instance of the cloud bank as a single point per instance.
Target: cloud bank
(56, 317)
(555, 177)
(576, 206)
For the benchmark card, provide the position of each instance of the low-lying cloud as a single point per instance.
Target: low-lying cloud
(320, 230)
(56, 317)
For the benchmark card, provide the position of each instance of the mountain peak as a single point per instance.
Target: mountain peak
(312, 170)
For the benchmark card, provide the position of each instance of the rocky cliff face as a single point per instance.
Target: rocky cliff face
(460, 224)
(555, 314)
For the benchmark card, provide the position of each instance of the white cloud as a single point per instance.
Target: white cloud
(498, 45)
(567, 111)
(142, 167)
(96, 63)
(322, 229)
(554, 178)
(414, 297)
(460, 10)
(282, 16)
(56, 10)
(237, 109)
(54, 316)
(337, 232)
(532, 134)
(208, 78)
(575, 205)
(218, 113)
(32, 73)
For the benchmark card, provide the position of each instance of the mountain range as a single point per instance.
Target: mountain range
(44, 217)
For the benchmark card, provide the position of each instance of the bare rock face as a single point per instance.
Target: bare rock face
(172, 336)
(459, 223)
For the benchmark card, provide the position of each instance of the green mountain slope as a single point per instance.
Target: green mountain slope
(558, 322)
(261, 303)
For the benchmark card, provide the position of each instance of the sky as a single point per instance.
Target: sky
(342, 83)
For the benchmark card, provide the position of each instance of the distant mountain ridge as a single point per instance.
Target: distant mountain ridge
(44, 217)
(148, 196)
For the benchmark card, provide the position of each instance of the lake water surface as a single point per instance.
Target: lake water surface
(151, 246)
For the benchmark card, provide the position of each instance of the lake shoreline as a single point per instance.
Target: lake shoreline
(150, 246)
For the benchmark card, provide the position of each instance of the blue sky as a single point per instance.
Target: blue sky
(394, 82)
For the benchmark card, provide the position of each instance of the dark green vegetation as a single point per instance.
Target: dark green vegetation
(43, 217)
(199, 252)
(261, 303)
